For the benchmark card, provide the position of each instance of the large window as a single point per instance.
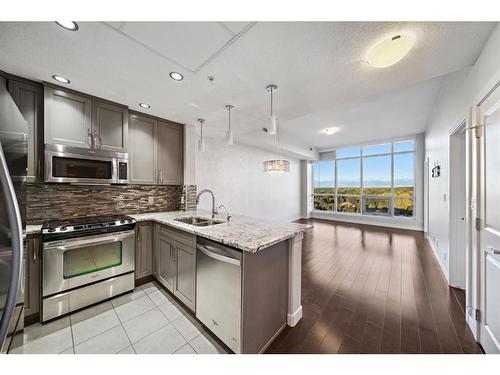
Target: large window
(370, 180)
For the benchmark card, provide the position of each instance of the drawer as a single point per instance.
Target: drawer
(180, 236)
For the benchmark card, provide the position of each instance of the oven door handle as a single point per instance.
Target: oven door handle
(77, 243)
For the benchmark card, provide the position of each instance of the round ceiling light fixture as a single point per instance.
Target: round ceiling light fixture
(68, 25)
(390, 51)
(144, 105)
(176, 76)
(61, 79)
(329, 131)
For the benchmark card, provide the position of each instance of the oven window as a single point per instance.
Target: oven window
(81, 168)
(85, 260)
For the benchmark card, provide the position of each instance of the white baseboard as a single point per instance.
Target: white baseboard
(438, 258)
(294, 318)
(473, 325)
(376, 221)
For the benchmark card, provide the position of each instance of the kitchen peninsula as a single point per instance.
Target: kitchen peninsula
(269, 255)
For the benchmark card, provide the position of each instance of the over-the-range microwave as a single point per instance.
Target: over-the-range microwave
(80, 166)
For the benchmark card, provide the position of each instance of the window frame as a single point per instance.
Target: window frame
(362, 196)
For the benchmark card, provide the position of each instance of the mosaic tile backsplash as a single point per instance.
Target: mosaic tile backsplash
(55, 201)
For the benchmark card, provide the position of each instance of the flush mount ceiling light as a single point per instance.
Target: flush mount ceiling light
(68, 25)
(176, 76)
(273, 121)
(229, 134)
(61, 79)
(144, 105)
(389, 51)
(277, 165)
(329, 131)
(201, 142)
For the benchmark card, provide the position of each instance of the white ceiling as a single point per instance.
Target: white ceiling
(319, 67)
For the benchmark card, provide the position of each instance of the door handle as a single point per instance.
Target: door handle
(219, 257)
(493, 251)
(15, 223)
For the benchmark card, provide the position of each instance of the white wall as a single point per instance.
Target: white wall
(460, 91)
(236, 176)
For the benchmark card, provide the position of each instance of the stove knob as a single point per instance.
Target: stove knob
(122, 221)
(129, 221)
(62, 229)
(51, 230)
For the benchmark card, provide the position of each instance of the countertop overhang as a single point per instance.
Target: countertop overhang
(242, 232)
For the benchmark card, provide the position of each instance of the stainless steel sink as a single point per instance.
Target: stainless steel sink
(198, 221)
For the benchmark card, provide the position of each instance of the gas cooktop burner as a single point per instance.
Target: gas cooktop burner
(86, 225)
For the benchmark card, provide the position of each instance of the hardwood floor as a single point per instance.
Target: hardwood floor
(368, 289)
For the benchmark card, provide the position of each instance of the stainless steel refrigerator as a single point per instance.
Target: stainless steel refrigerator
(13, 164)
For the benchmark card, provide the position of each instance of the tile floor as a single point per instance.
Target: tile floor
(145, 321)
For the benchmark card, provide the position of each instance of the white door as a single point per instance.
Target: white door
(489, 214)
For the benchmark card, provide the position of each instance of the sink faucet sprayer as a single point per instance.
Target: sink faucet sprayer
(227, 212)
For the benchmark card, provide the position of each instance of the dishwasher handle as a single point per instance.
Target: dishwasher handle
(205, 250)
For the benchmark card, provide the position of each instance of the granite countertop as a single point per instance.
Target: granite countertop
(242, 232)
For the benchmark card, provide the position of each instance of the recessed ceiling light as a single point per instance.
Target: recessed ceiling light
(68, 25)
(144, 105)
(389, 51)
(61, 79)
(329, 131)
(176, 76)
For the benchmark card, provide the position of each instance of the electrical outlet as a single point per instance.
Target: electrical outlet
(151, 200)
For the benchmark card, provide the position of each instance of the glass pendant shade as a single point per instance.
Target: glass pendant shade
(201, 141)
(277, 166)
(273, 125)
(229, 137)
(229, 133)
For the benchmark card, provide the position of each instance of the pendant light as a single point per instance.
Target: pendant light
(201, 142)
(273, 121)
(277, 165)
(229, 134)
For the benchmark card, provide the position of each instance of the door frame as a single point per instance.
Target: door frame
(457, 174)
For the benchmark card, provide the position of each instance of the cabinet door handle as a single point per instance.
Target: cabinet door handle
(161, 176)
(96, 144)
(34, 249)
(89, 139)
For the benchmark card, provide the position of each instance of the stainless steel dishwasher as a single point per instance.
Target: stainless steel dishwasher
(218, 291)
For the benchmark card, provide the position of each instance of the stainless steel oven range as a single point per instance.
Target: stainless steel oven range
(86, 260)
